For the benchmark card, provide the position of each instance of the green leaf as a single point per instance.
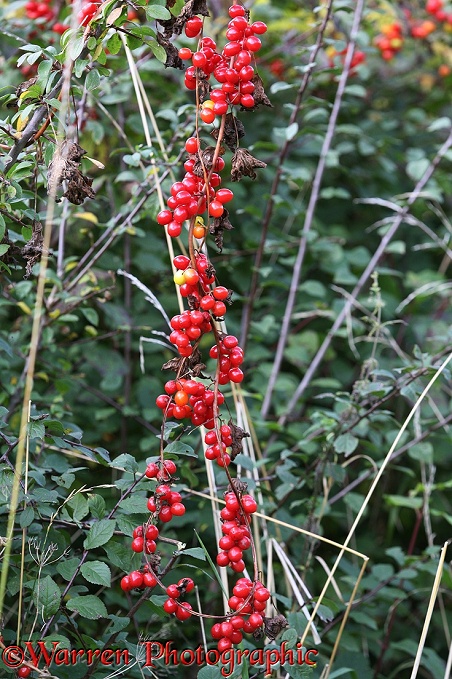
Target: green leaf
(157, 12)
(89, 606)
(210, 672)
(402, 501)
(121, 556)
(27, 517)
(92, 80)
(195, 552)
(3, 248)
(96, 572)
(80, 507)
(135, 504)
(119, 623)
(67, 568)
(345, 443)
(158, 51)
(291, 131)
(114, 44)
(97, 506)
(46, 596)
(99, 534)
(76, 48)
(36, 430)
(125, 462)
(180, 448)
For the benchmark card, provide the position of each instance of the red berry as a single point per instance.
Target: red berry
(125, 584)
(178, 509)
(235, 554)
(137, 544)
(219, 309)
(182, 613)
(226, 629)
(187, 583)
(192, 145)
(224, 644)
(256, 620)
(149, 580)
(170, 606)
(164, 217)
(165, 514)
(173, 591)
(236, 11)
(24, 671)
(193, 27)
(249, 504)
(185, 53)
(259, 27)
(223, 559)
(216, 631)
(220, 292)
(135, 579)
(152, 532)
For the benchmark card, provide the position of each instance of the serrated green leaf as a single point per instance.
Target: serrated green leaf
(80, 507)
(89, 606)
(96, 572)
(119, 623)
(195, 552)
(97, 506)
(126, 462)
(67, 568)
(158, 51)
(36, 430)
(46, 596)
(100, 533)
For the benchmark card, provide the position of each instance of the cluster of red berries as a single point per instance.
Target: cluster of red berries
(189, 399)
(230, 357)
(166, 503)
(390, 41)
(181, 609)
(191, 196)
(219, 451)
(231, 68)
(247, 600)
(436, 9)
(40, 10)
(139, 579)
(236, 535)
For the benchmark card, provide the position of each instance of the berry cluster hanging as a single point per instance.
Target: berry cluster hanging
(198, 200)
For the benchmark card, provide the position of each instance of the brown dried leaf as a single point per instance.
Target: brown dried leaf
(203, 163)
(33, 249)
(260, 98)
(273, 626)
(173, 364)
(234, 130)
(243, 163)
(218, 226)
(239, 485)
(173, 59)
(237, 434)
(65, 167)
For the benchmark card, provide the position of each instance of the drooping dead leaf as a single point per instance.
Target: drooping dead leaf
(65, 167)
(234, 130)
(218, 226)
(243, 163)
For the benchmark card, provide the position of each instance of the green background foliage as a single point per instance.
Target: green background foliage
(94, 423)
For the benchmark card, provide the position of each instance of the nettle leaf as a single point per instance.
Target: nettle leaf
(88, 606)
(345, 443)
(36, 430)
(135, 504)
(96, 572)
(46, 596)
(122, 557)
(99, 534)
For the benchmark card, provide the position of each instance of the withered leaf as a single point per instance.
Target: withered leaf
(234, 130)
(243, 163)
(260, 98)
(237, 435)
(273, 626)
(173, 59)
(218, 226)
(173, 364)
(65, 167)
(203, 85)
(33, 249)
(239, 485)
(203, 162)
